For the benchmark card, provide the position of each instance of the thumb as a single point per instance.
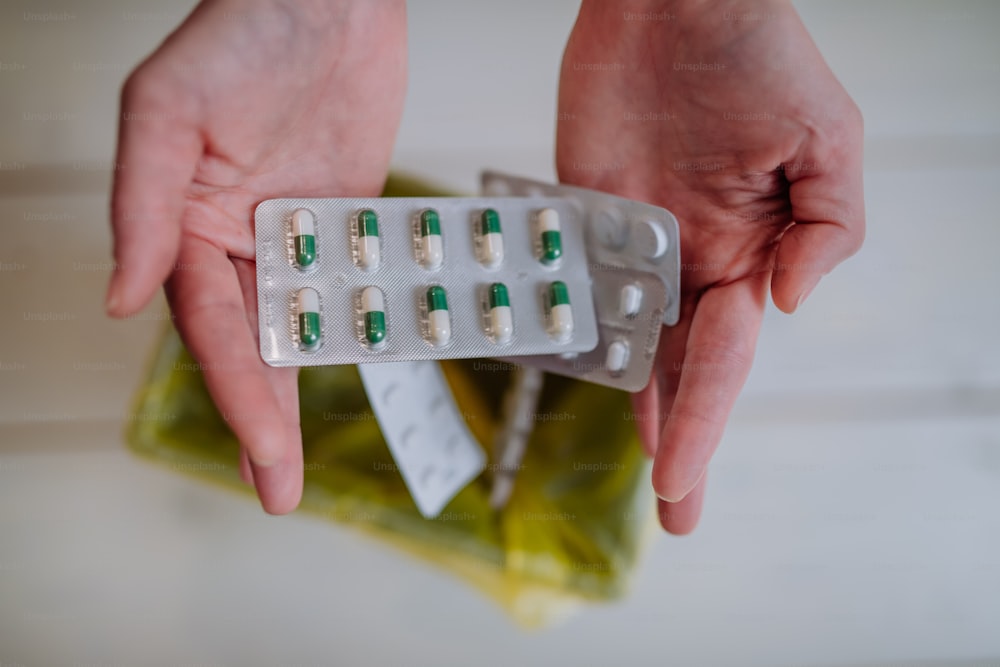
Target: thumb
(827, 196)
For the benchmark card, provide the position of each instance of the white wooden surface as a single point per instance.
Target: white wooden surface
(854, 510)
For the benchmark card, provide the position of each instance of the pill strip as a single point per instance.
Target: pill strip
(358, 280)
(436, 453)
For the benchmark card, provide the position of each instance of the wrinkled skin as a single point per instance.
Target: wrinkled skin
(756, 148)
(248, 100)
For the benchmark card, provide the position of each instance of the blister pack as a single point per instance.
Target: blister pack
(633, 252)
(620, 233)
(362, 280)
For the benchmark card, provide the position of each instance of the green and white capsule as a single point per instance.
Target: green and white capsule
(490, 239)
(307, 315)
(373, 314)
(560, 325)
(431, 244)
(501, 318)
(304, 238)
(550, 236)
(438, 318)
(369, 252)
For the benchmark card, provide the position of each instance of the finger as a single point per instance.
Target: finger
(652, 404)
(279, 486)
(827, 197)
(211, 318)
(646, 408)
(246, 473)
(681, 518)
(716, 363)
(158, 150)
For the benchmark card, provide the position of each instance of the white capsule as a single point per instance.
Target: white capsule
(439, 327)
(492, 250)
(303, 223)
(502, 324)
(617, 357)
(548, 220)
(438, 319)
(431, 252)
(372, 300)
(490, 236)
(369, 254)
(629, 301)
(561, 322)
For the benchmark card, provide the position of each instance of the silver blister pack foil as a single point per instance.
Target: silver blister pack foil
(338, 279)
(625, 354)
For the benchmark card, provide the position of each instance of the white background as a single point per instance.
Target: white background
(853, 514)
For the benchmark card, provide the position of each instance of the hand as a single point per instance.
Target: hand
(246, 101)
(725, 113)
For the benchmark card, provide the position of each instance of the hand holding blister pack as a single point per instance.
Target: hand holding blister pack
(566, 280)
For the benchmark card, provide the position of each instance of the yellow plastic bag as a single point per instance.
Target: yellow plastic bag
(571, 532)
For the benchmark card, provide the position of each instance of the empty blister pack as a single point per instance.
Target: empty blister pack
(633, 250)
(360, 280)
(620, 233)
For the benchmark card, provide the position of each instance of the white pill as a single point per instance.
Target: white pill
(617, 357)
(432, 252)
(630, 300)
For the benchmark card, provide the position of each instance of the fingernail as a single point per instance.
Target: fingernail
(684, 482)
(805, 293)
(113, 299)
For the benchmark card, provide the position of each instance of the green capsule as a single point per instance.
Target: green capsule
(501, 318)
(304, 237)
(551, 236)
(373, 309)
(430, 223)
(489, 222)
(560, 312)
(307, 311)
(558, 293)
(438, 318)
(498, 295)
(436, 299)
(367, 223)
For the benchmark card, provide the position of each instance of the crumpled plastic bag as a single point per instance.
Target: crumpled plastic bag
(572, 531)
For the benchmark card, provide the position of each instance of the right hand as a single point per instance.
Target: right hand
(248, 100)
